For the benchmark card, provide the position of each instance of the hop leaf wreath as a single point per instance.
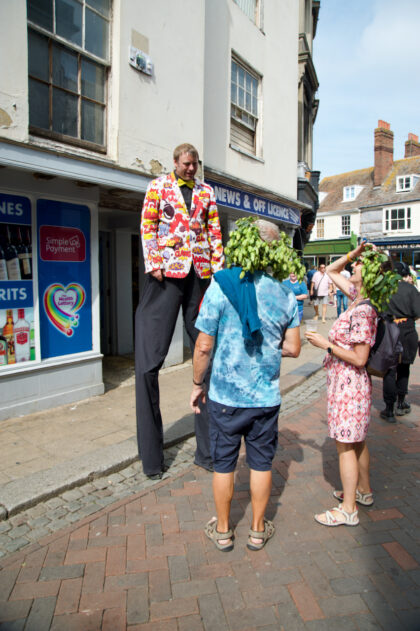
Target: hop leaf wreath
(378, 286)
(246, 249)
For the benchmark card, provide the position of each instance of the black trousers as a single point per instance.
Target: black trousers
(395, 383)
(155, 322)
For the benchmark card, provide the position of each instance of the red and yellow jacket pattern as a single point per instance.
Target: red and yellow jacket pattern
(172, 239)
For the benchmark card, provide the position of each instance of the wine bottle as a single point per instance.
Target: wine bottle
(3, 266)
(12, 259)
(23, 255)
(28, 243)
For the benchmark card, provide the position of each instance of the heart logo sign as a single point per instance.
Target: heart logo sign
(61, 304)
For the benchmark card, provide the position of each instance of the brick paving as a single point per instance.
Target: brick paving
(140, 561)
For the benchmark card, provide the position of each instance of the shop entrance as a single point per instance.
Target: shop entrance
(105, 293)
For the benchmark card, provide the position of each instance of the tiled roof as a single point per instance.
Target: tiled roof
(369, 196)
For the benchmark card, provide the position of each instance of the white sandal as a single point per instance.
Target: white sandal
(365, 499)
(350, 519)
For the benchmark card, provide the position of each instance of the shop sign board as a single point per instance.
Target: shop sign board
(64, 278)
(17, 330)
(254, 204)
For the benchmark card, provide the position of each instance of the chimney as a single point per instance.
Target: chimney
(384, 152)
(412, 146)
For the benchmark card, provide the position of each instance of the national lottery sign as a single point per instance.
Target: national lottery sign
(64, 278)
(250, 203)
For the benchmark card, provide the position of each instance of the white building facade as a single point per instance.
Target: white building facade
(92, 103)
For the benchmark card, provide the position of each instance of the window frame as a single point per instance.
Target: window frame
(320, 228)
(406, 218)
(257, 12)
(401, 180)
(54, 38)
(236, 119)
(345, 225)
(349, 193)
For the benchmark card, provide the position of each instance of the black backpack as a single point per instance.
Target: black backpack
(387, 351)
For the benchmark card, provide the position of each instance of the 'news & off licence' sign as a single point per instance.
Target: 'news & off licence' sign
(250, 203)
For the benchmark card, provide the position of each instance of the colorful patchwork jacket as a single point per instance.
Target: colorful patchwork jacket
(172, 239)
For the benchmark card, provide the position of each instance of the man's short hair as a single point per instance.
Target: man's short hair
(185, 148)
(268, 230)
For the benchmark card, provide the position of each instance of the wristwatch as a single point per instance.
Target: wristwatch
(329, 349)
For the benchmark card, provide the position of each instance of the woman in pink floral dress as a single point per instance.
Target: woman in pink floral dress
(349, 391)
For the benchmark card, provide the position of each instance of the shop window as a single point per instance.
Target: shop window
(345, 225)
(251, 8)
(244, 107)
(397, 219)
(68, 51)
(319, 228)
(62, 324)
(17, 328)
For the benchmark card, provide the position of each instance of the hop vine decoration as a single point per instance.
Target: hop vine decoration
(246, 249)
(378, 286)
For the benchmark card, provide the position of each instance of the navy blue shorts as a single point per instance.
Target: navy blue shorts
(228, 424)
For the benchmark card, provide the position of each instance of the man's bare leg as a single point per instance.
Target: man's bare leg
(260, 483)
(223, 493)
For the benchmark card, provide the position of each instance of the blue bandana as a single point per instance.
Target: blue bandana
(241, 294)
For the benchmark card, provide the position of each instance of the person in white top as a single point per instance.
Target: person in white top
(322, 284)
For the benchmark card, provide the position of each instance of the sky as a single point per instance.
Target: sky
(367, 59)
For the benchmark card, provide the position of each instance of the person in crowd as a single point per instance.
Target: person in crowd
(321, 283)
(340, 297)
(182, 248)
(404, 309)
(309, 276)
(299, 289)
(249, 325)
(413, 277)
(349, 390)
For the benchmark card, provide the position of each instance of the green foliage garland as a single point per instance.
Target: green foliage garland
(378, 286)
(246, 249)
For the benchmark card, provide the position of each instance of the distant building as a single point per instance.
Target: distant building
(379, 203)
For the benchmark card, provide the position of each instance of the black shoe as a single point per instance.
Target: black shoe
(207, 467)
(158, 476)
(388, 415)
(403, 408)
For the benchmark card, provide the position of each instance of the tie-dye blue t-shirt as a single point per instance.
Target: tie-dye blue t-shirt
(246, 373)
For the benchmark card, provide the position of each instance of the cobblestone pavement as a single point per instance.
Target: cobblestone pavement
(143, 563)
(67, 508)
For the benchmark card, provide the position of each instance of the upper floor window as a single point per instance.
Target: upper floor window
(406, 182)
(345, 225)
(68, 51)
(320, 228)
(397, 219)
(351, 192)
(244, 107)
(251, 8)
